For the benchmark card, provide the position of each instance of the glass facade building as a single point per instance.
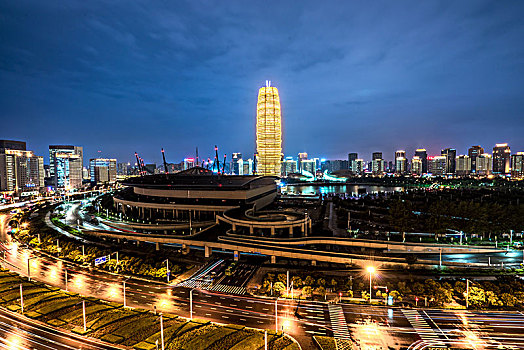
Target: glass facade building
(269, 131)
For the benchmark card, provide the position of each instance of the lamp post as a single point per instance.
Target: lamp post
(371, 270)
(162, 331)
(84, 314)
(167, 269)
(276, 315)
(29, 267)
(191, 303)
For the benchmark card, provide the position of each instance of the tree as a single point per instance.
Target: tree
(309, 281)
(395, 295)
(279, 288)
(477, 297)
(418, 288)
(443, 296)
(307, 291)
(282, 277)
(334, 283)
(365, 295)
(508, 299)
(321, 282)
(402, 288)
(297, 281)
(459, 287)
(321, 291)
(492, 298)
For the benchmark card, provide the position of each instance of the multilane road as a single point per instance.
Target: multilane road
(371, 327)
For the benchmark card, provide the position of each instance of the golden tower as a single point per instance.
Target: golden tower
(269, 131)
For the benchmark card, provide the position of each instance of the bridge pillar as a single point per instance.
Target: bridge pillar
(137, 243)
(236, 255)
(157, 246)
(273, 259)
(207, 251)
(313, 263)
(290, 231)
(234, 227)
(272, 231)
(251, 230)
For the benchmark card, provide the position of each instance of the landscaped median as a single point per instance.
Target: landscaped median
(130, 328)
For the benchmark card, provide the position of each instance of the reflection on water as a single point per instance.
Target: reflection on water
(337, 189)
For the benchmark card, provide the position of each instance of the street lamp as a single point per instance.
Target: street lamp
(371, 270)
(191, 303)
(29, 267)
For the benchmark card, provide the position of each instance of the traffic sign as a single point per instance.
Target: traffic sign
(101, 260)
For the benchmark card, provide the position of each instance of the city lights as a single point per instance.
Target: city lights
(268, 131)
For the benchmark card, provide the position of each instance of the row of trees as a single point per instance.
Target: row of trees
(503, 292)
(149, 264)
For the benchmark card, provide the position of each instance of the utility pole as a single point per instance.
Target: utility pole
(162, 331)
(84, 314)
(124, 289)
(21, 299)
(66, 288)
(287, 282)
(440, 258)
(467, 293)
(276, 313)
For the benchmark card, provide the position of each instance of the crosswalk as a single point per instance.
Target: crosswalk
(228, 289)
(425, 332)
(340, 327)
(199, 280)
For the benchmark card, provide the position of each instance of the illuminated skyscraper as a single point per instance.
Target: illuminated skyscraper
(269, 131)
(501, 158)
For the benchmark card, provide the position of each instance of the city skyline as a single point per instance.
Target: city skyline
(445, 75)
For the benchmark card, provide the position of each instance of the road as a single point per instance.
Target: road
(17, 332)
(380, 327)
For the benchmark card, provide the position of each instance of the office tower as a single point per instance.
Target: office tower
(351, 158)
(308, 166)
(423, 155)
(400, 162)
(501, 158)
(376, 155)
(377, 163)
(390, 166)
(473, 153)
(463, 165)
(334, 165)
(21, 172)
(68, 171)
(451, 155)
(269, 131)
(437, 165)
(358, 166)
(484, 164)
(289, 166)
(190, 163)
(53, 149)
(517, 165)
(236, 164)
(247, 166)
(416, 165)
(102, 170)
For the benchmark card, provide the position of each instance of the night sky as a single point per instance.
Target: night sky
(125, 76)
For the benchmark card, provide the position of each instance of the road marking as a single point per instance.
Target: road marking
(424, 331)
(224, 316)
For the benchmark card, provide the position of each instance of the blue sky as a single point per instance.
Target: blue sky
(354, 76)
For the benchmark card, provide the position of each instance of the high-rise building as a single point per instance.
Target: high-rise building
(68, 171)
(484, 164)
(358, 166)
(247, 166)
(189, 163)
(289, 166)
(351, 158)
(21, 172)
(416, 165)
(102, 170)
(377, 163)
(501, 158)
(423, 155)
(53, 149)
(308, 165)
(463, 165)
(517, 165)
(451, 155)
(237, 167)
(437, 165)
(269, 131)
(473, 153)
(400, 162)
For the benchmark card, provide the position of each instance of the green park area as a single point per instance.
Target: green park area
(127, 327)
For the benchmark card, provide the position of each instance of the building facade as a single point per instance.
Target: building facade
(501, 159)
(423, 156)
(67, 149)
(269, 131)
(484, 164)
(463, 165)
(517, 165)
(437, 165)
(473, 153)
(68, 171)
(102, 170)
(451, 155)
(416, 165)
